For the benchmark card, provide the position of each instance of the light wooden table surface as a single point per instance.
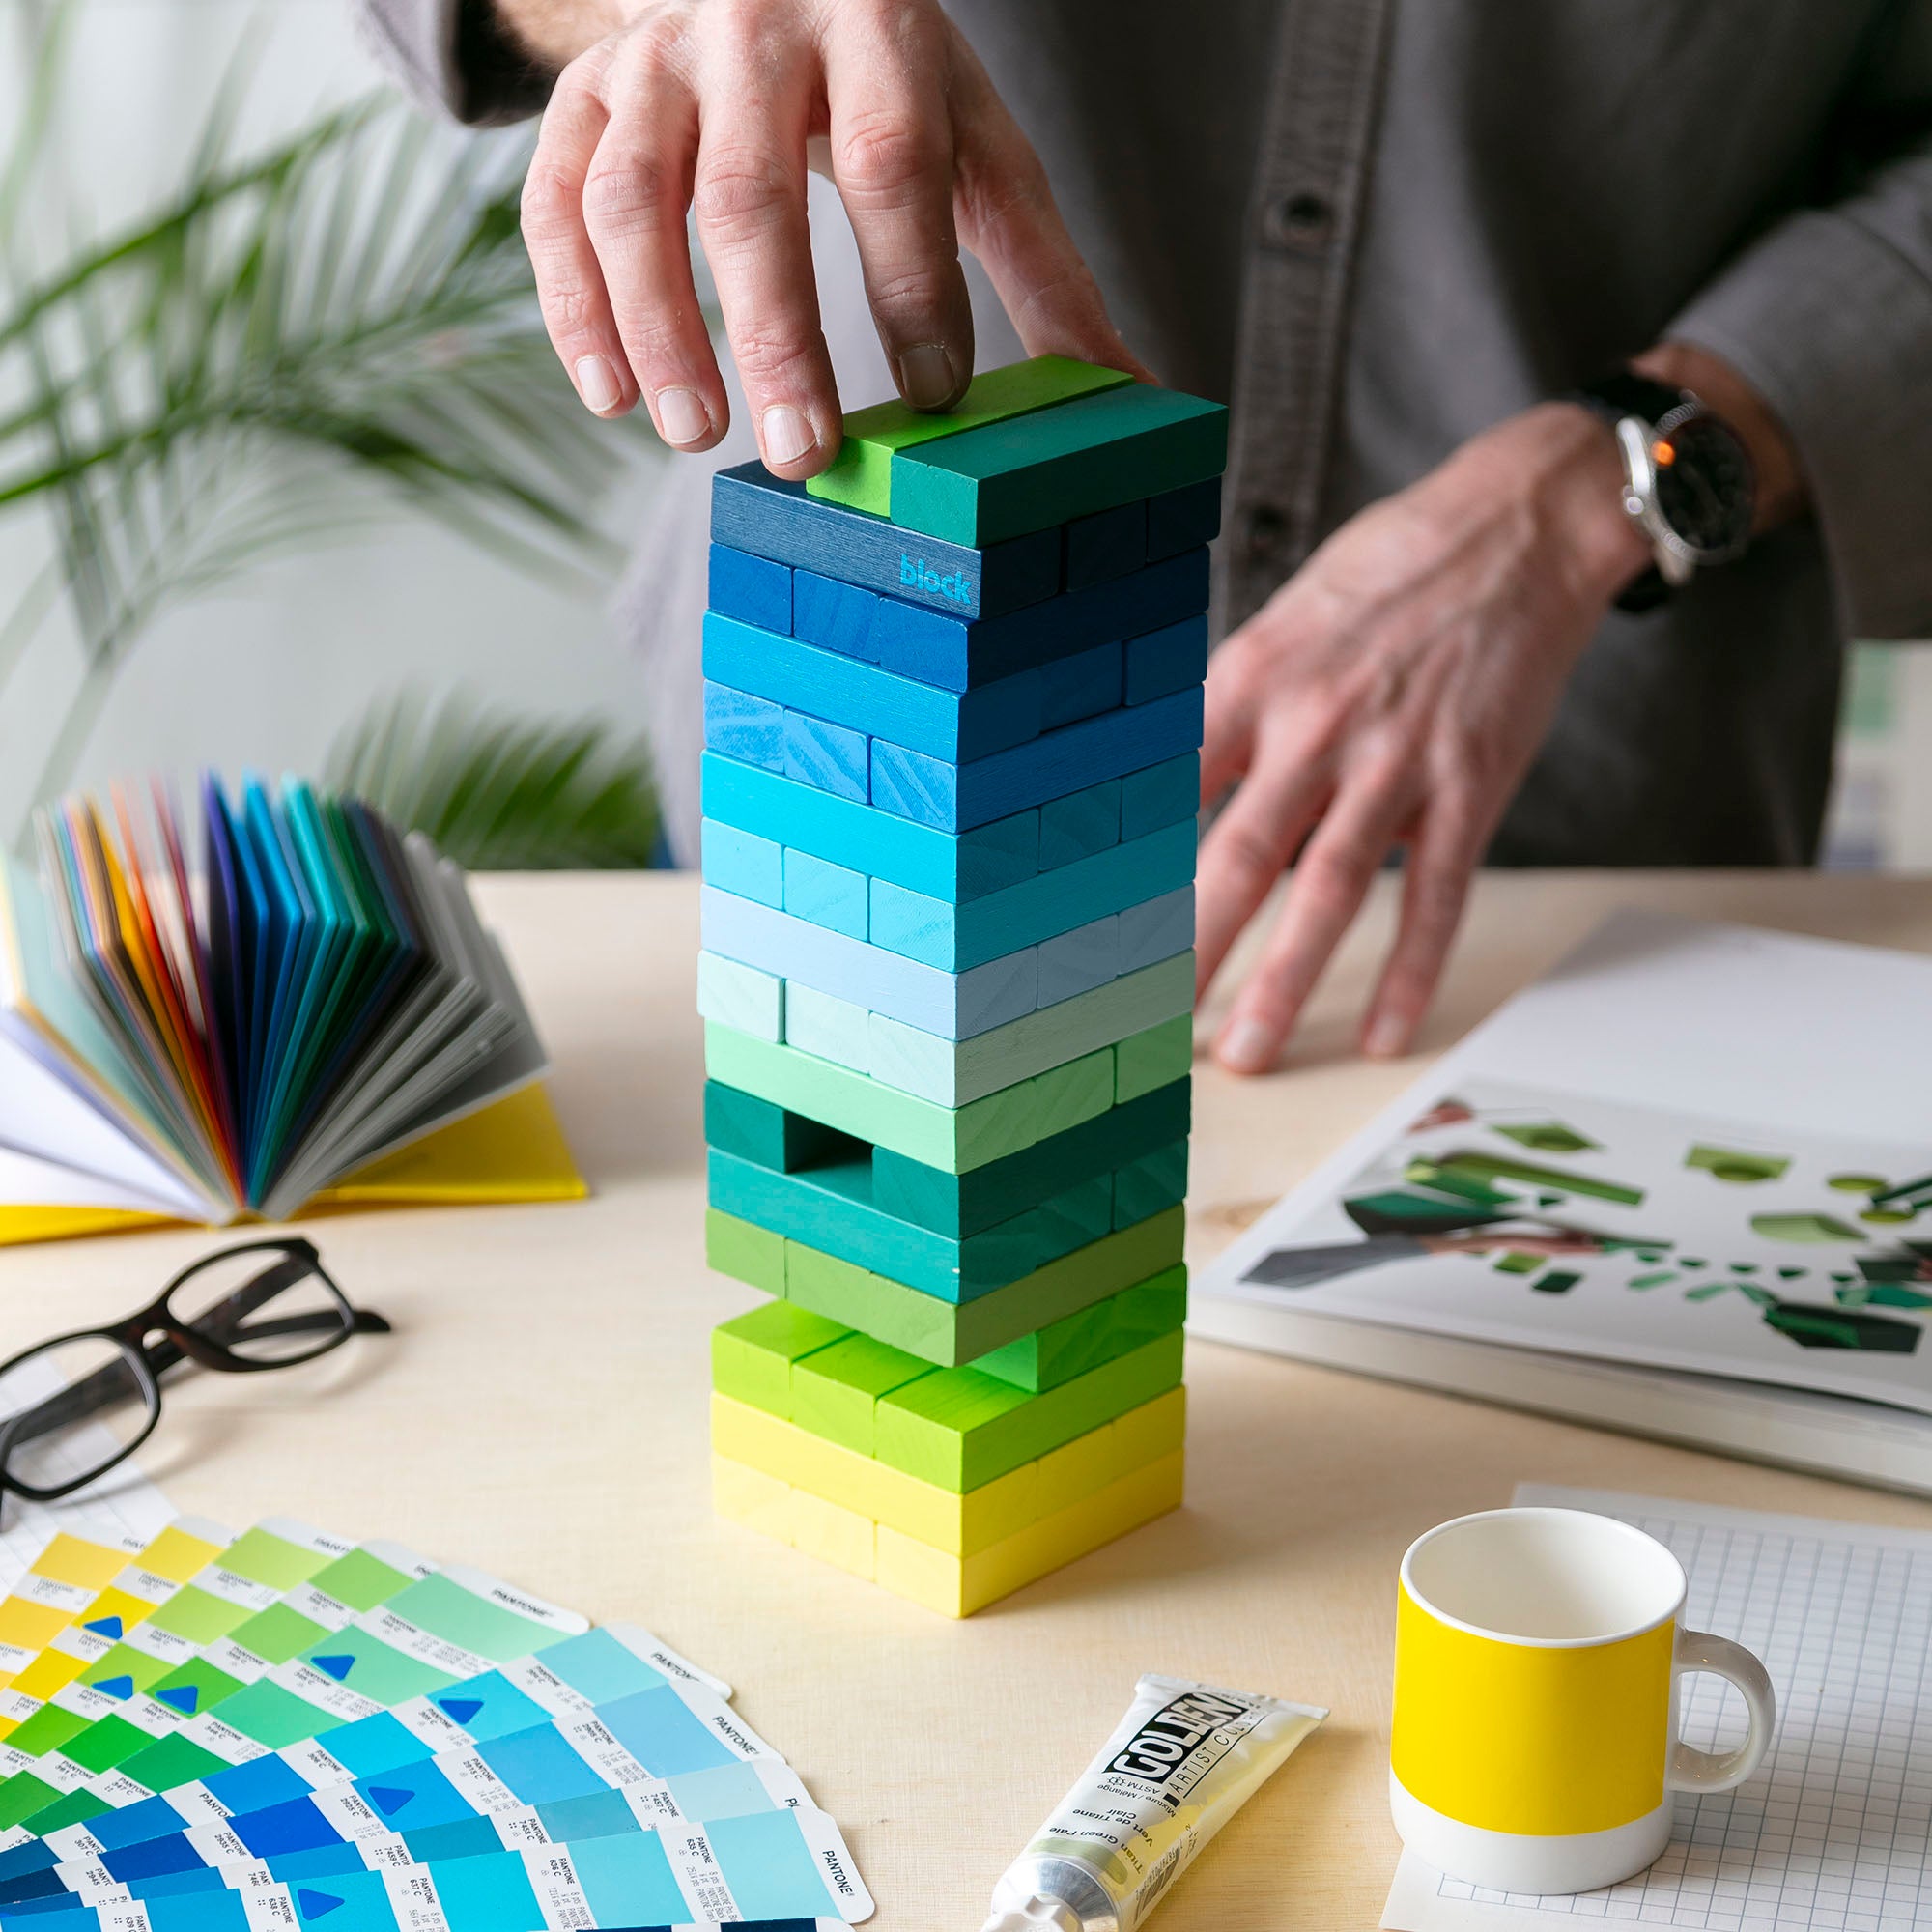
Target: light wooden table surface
(540, 1412)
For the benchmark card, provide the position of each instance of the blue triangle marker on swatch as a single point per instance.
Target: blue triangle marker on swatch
(106, 1626)
(459, 1709)
(338, 1667)
(317, 1904)
(388, 1799)
(183, 1697)
(113, 1686)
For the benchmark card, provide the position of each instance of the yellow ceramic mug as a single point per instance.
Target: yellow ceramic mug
(1535, 1743)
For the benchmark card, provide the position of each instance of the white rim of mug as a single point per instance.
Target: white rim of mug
(1625, 1529)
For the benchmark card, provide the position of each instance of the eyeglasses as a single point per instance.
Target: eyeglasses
(72, 1408)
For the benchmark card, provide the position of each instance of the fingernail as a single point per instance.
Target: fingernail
(682, 417)
(785, 434)
(1245, 1047)
(925, 376)
(1387, 1038)
(597, 384)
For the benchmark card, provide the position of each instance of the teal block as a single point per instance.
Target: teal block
(1150, 1184)
(1163, 794)
(742, 862)
(1031, 472)
(1166, 661)
(745, 727)
(754, 1129)
(1106, 544)
(831, 757)
(1080, 824)
(827, 894)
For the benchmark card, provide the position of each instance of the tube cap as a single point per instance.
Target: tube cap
(1039, 1914)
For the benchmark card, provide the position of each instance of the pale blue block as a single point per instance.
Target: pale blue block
(1078, 961)
(835, 617)
(825, 894)
(1167, 660)
(1156, 930)
(741, 726)
(957, 1004)
(1079, 686)
(832, 1029)
(827, 756)
(1079, 825)
(1163, 794)
(741, 997)
(742, 862)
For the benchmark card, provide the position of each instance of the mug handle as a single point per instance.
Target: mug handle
(1693, 1770)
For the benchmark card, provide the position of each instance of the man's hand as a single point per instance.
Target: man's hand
(670, 104)
(1393, 692)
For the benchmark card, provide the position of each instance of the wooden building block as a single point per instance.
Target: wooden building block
(1163, 794)
(752, 510)
(741, 997)
(1150, 1184)
(741, 862)
(957, 1586)
(833, 616)
(1034, 471)
(949, 646)
(834, 1389)
(1076, 1343)
(759, 1501)
(1155, 930)
(860, 476)
(803, 818)
(1153, 1056)
(739, 725)
(752, 1353)
(881, 703)
(751, 588)
(1072, 963)
(1080, 825)
(1080, 686)
(829, 1029)
(840, 1537)
(1166, 661)
(1178, 520)
(751, 1128)
(959, 1428)
(834, 897)
(957, 797)
(818, 753)
(1106, 544)
(745, 1251)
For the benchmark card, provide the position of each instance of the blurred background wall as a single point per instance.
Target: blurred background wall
(271, 668)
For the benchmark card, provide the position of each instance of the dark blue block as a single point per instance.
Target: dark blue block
(956, 798)
(939, 647)
(752, 510)
(818, 753)
(832, 616)
(1072, 688)
(1107, 544)
(1178, 519)
(1166, 660)
(751, 729)
(751, 588)
(1163, 794)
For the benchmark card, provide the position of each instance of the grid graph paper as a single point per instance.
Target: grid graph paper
(1832, 1833)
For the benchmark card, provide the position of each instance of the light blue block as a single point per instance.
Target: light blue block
(742, 862)
(827, 756)
(1163, 794)
(835, 617)
(1166, 661)
(957, 1004)
(748, 728)
(1079, 825)
(1078, 961)
(830, 1028)
(1156, 930)
(827, 894)
(741, 997)
(1081, 686)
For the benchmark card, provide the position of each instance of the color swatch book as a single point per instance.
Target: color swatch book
(286, 1729)
(1683, 1185)
(952, 720)
(294, 1004)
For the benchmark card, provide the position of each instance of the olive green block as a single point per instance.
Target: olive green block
(745, 1251)
(752, 1355)
(1091, 1336)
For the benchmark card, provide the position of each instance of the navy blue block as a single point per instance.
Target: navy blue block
(1178, 519)
(818, 753)
(956, 798)
(752, 589)
(943, 724)
(1075, 687)
(940, 646)
(752, 510)
(835, 617)
(1163, 794)
(1166, 660)
(751, 729)
(1108, 544)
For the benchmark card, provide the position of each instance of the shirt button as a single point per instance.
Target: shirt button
(1265, 533)
(1303, 221)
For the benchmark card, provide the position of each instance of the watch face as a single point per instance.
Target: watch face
(1704, 485)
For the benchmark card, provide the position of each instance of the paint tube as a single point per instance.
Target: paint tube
(1185, 1759)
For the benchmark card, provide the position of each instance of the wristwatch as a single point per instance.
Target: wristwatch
(1688, 480)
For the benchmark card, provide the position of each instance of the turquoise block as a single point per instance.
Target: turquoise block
(751, 729)
(1163, 794)
(827, 894)
(742, 862)
(488, 1894)
(831, 758)
(1080, 824)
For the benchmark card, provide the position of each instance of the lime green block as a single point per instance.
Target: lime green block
(860, 477)
(1152, 1058)
(752, 1355)
(960, 1426)
(1077, 1342)
(835, 1390)
(745, 1251)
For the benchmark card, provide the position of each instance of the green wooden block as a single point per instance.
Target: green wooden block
(774, 1136)
(1149, 1185)
(1152, 1058)
(1080, 1091)
(949, 1333)
(1032, 472)
(860, 476)
(959, 1428)
(834, 1390)
(1091, 1336)
(744, 1251)
(752, 1355)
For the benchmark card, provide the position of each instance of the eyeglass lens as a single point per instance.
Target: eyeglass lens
(69, 1410)
(265, 1306)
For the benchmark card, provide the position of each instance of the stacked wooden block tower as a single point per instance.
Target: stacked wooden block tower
(952, 720)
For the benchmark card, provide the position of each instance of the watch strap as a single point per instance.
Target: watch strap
(1613, 397)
